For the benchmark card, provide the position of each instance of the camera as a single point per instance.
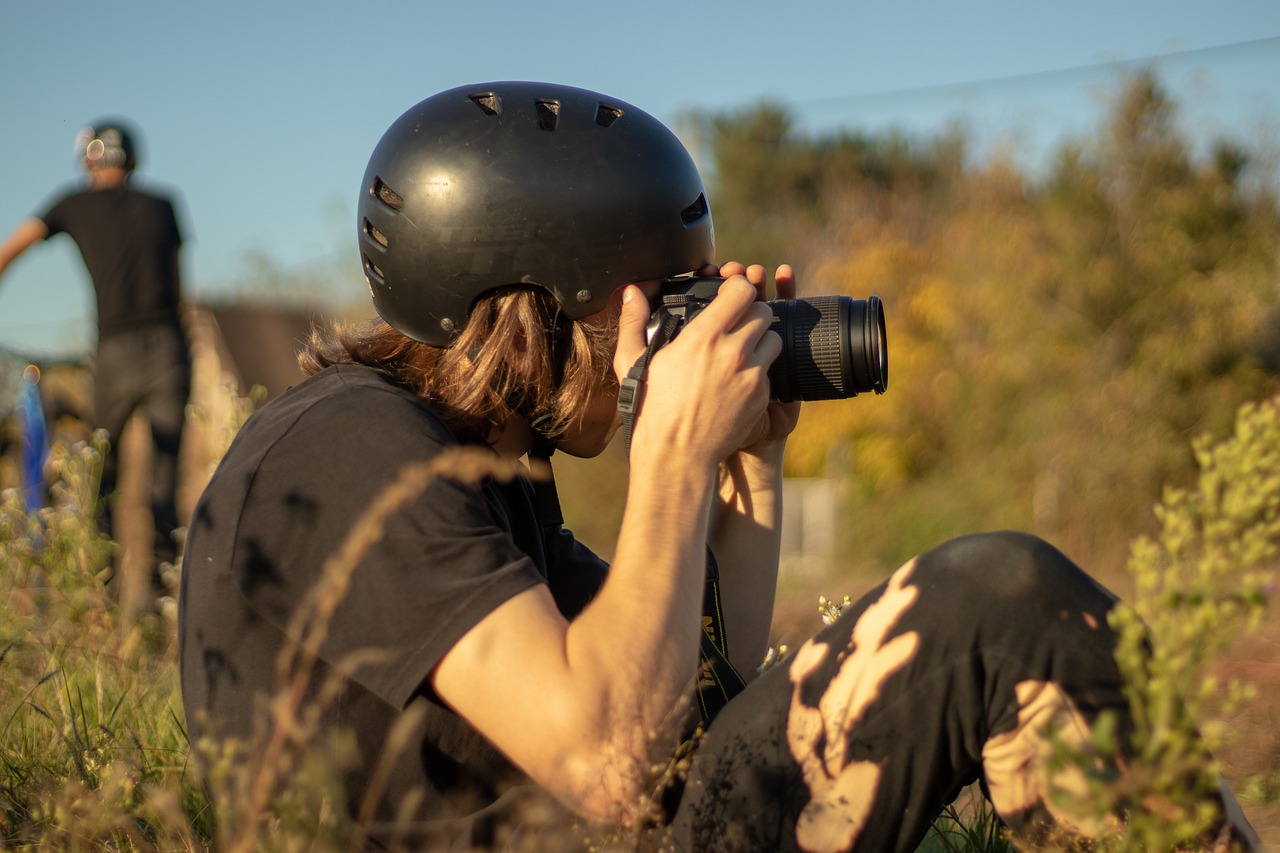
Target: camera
(833, 347)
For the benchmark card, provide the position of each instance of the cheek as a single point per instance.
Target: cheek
(602, 410)
(602, 419)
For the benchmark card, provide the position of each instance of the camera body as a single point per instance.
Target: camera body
(833, 347)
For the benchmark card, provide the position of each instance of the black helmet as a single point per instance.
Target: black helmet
(107, 142)
(501, 184)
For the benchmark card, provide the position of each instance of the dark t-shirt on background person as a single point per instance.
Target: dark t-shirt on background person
(129, 240)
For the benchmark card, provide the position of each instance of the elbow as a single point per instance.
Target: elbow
(610, 788)
(618, 775)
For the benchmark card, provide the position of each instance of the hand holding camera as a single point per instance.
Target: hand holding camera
(833, 347)
(703, 396)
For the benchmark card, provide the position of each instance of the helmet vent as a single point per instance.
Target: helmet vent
(607, 115)
(548, 114)
(488, 103)
(695, 211)
(372, 271)
(386, 195)
(377, 236)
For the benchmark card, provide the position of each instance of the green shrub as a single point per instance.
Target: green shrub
(1201, 583)
(92, 745)
(94, 753)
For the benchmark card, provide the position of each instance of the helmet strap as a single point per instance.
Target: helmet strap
(546, 500)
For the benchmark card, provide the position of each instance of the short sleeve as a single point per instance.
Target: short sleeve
(574, 572)
(53, 215)
(427, 573)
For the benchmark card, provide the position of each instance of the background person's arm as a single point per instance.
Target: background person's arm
(28, 232)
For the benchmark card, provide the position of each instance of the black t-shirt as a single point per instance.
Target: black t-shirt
(296, 479)
(129, 240)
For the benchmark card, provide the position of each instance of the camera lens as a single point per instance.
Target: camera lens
(833, 347)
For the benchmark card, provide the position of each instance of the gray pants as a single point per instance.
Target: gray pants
(148, 371)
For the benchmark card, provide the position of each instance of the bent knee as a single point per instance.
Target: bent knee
(1009, 567)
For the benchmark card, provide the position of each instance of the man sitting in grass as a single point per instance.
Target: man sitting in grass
(514, 236)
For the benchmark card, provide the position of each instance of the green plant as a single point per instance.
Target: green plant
(966, 827)
(92, 754)
(1203, 581)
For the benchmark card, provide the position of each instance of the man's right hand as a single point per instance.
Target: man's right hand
(707, 390)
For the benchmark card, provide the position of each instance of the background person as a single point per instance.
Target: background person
(513, 235)
(129, 239)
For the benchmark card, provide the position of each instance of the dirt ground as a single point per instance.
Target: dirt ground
(1255, 730)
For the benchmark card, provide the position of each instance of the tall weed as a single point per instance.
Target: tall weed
(1199, 585)
(91, 742)
(94, 752)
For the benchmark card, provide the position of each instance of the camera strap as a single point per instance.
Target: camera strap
(631, 388)
(546, 500)
(718, 680)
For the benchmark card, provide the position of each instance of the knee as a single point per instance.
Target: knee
(1009, 569)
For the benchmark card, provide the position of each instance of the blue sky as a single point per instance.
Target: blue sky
(263, 114)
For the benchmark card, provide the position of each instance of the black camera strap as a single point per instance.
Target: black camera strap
(631, 389)
(718, 680)
(546, 500)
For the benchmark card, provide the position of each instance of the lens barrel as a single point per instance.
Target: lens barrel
(833, 347)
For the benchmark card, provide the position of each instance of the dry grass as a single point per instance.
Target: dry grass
(93, 743)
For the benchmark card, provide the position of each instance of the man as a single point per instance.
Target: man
(129, 240)
(513, 236)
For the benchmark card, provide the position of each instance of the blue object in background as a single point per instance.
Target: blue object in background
(35, 438)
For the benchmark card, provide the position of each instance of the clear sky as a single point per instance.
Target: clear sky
(263, 114)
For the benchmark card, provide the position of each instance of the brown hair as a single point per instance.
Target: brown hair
(517, 355)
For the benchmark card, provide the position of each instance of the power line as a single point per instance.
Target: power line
(1110, 65)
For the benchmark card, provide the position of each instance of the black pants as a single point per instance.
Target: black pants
(946, 674)
(943, 675)
(146, 370)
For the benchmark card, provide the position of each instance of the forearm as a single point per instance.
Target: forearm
(28, 232)
(597, 698)
(642, 631)
(614, 683)
(745, 536)
(639, 638)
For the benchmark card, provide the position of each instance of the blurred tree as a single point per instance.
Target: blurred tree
(1167, 264)
(774, 192)
(1054, 344)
